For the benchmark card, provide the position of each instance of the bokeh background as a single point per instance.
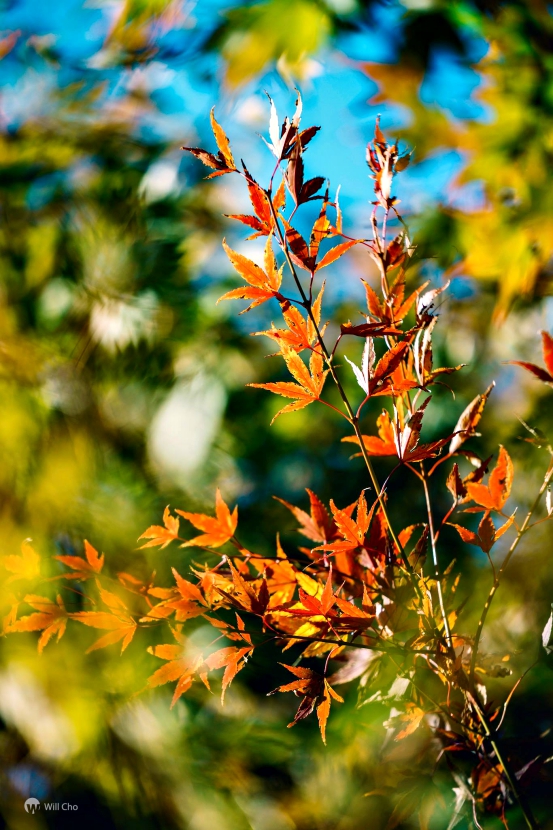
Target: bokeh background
(122, 384)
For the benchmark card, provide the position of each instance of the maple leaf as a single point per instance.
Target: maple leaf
(209, 160)
(26, 566)
(425, 303)
(396, 251)
(259, 199)
(262, 284)
(488, 784)
(363, 373)
(294, 173)
(352, 617)
(178, 667)
(263, 221)
(326, 606)
(217, 530)
(318, 526)
(10, 618)
(465, 427)
(84, 568)
(395, 308)
(117, 621)
(455, 484)
(298, 247)
(386, 366)
(368, 330)
(317, 694)
(545, 375)
(188, 590)
(409, 720)
(352, 531)
(183, 668)
(407, 439)
(223, 162)
(384, 444)
(284, 139)
(233, 659)
(495, 494)
(312, 606)
(244, 595)
(187, 601)
(321, 229)
(423, 355)
(336, 252)
(51, 618)
(391, 375)
(222, 141)
(305, 255)
(310, 381)
(279, 575)
(487, 535)
(301, 332)
(162, 536)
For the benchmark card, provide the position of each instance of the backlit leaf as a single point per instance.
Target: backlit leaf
(25, 566)
(162, 536)
(217, 530)
(495, 494)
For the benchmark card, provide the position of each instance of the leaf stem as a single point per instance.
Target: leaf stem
(435, 562)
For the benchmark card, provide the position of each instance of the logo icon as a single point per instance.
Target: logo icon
(32, 805)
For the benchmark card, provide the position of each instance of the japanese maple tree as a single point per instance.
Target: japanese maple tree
(361, 596)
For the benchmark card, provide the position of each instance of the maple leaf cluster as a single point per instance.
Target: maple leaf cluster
(360, 597)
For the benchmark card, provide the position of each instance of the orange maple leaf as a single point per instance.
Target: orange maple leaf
(187, 601)
(117, 621)
(545, 375)
(352, 531)
(487, 534)
(318, 526)
(495, 494)
(217, 530)
(301, 333)
(223, 162)
(84, 568)
(262, 284)
(162, 536)
(51, 618)
(409, 720)
(178, 667)
(465, 427)
(263, 221)
(233, 659)
(317, 693)
(183, 669)
(244, 595)
(26, 566)
(310, 381)
(305, 255)
(279, 576)
(384, 444)
(222, 141)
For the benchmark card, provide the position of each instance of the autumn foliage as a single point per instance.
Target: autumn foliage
(360, 597)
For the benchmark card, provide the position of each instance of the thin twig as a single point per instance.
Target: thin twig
(510, 777)
(435, 562)
(500, 572)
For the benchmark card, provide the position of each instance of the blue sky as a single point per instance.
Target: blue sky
(184, 85)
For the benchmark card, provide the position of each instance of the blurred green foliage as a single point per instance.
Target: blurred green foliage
(123, 390)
